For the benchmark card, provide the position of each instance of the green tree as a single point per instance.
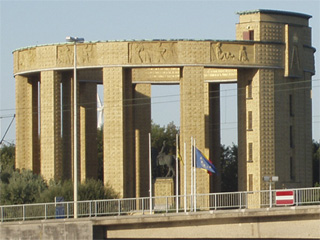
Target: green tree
(57, 189)
(100, 153)
(166, 133)
(94, 189)
(158, 136)
(315, 162)
(7, 157)
(90, 190)
(229, 168)
(22, 187)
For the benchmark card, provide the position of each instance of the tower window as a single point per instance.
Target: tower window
(291, 169)
(250, 120)
(249, 89)
(291, 105)
(251, 35)
(248, 35)
(291, 137)
(250, 182)
(250, 157)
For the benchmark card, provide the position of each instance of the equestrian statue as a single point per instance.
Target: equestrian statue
(165, 159)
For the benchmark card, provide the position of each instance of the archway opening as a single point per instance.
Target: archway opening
(229, 114)
(165, 104)
(165, 115)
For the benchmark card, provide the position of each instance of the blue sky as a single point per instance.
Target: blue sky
(28, 23)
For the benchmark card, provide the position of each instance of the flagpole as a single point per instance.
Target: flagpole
(191, 173)
(185, 176)
(177, 171)
(150, 174)
(195, 176)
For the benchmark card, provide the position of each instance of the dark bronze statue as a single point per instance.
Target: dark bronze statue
(165, 159)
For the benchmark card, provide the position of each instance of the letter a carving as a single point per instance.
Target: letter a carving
(295, 62)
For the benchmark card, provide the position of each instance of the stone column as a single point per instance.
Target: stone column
(118, 135)
(244, 82)
(293, 134)
(27, 141)
(50, 140)
(256, 119)
(88, 131)
(194, 107)
(142, 124)
(67, 125)
(213, 135)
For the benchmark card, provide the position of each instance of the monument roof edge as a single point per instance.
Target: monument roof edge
(270, 11)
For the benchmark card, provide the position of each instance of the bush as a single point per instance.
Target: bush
(94, 189)
(22, 187)
(57, 189)
(90, 190)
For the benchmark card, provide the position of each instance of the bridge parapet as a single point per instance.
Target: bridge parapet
(288, 223)
(141, 206)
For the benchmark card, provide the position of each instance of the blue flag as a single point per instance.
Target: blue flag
(203, 162)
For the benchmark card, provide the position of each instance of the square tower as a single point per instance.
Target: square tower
(275, 136)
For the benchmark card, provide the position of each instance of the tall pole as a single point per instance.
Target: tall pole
(270, 194)
(194, 176)
(75, 134)
(150, 174)
(177, 171)
(75, 40)
(191, 173)
(185, 176)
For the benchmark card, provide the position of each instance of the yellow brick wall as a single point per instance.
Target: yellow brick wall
(27, 143)
(142, 125)
(50, 140)
(193, 108)
(67, 125)
(118, 131)
(88, 131)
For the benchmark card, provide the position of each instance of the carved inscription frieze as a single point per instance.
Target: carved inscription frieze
(155, 52)
(229, 53)
(86, 53)
(295, 54)
(219, 54)
(212, 74)
(156, 75)
(295, 58)
(27, 59)
(65, 55)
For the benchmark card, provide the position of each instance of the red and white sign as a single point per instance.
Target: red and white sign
(285, 197)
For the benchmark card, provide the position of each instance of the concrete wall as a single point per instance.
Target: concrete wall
(291, 223)
(47, 229)
(278, 223)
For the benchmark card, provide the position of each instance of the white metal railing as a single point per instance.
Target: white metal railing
(166, 204)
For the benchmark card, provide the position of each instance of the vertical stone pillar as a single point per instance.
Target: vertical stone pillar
(88, 131)
(256, 119)
(213, 134)
(252, 98)
(243, 82)
(27, 141)
(50, 141)
(142, 125)
(193, 117)
(267, 129)
(304, 139)
(118, 156)
(293, 134)
(67, 125)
